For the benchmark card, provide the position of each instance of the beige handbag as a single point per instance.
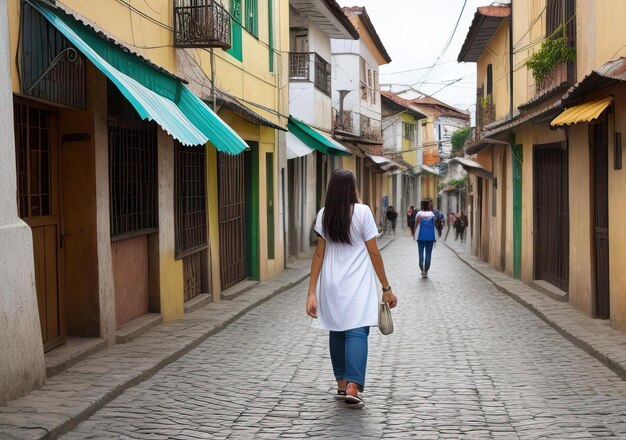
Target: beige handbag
(385, 322)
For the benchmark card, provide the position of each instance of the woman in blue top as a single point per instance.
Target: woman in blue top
(424, 234)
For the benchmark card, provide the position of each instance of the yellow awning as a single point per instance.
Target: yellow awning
(585, 112)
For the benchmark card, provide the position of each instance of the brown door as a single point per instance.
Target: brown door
(231, 188)
(551, 215)
(37, 182)
(479, 216)
(598, 142)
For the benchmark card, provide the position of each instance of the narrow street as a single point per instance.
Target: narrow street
(465, 361)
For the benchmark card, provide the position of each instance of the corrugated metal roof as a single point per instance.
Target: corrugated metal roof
(175, 108)
(585, 112)
(486, 22)
(604, 76)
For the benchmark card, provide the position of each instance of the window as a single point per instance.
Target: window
(489, 81)
(363, 80)
(236, 48)
(190, 199)
(408, 131)
(322, 74)
(132, 169)
(561, 12)
(252, 17)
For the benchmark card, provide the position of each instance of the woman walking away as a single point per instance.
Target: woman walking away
(342, 289)
(424, 233)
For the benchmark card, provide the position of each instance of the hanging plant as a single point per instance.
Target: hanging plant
(554, 51)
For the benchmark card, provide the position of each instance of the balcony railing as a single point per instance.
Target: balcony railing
(201, 23)
(357, 124)
(300, 70)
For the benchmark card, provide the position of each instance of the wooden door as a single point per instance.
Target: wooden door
(231, 217)
(598, 142)
(38, 205)
(551, 215)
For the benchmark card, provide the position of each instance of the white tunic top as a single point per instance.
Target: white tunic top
(347, 290)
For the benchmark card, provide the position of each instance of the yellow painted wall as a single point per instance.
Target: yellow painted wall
(581, 286)
(214, 223)
(349, 163)
(409, 156)
(617, 213)
(497, 54)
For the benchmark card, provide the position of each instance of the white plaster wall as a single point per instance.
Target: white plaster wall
(318, 115)
(22, 366)
(106, 289)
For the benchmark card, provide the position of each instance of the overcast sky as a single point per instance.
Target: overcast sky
(414, 32)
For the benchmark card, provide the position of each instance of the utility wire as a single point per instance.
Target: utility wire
(445, 46)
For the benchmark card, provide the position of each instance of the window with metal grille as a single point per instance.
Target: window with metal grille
(190, 199)
(322, 75)
(33, 161)
(132, 170)
(408, 131)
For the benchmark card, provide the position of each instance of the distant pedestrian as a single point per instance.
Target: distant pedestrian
(424, 234)
(449, 223)
(392, 216)
(458, 227)
(410, 218)
(342, 289)
(464, 225)
(439, 220)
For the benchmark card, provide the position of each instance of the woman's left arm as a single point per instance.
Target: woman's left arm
(316, 267)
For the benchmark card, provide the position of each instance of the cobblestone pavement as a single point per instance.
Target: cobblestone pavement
(466, 361)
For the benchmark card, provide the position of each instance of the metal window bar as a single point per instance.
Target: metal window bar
(132, 178)
(50, 67)
(322, 75)
(190, 200)
(32, 161)
(299, 66)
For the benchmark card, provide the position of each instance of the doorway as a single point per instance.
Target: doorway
(599, 154)
(551, 214)
(38, 205)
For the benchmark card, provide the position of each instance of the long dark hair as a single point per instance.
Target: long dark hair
(426, 205)
(340, 196)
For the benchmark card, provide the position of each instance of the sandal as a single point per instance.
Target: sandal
(354, 401)
(340, 396)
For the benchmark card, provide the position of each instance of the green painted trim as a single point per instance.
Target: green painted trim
(252, 17)
(251, 167)
(270, 36)
(269, 182)
(517, 161)
(236, 32)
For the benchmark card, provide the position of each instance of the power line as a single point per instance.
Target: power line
(416, 69)
(446, 45)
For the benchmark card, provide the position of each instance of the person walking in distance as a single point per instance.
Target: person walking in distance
(392, 216)
(410, 218)
(449, 222)
(424, 234)
(464, 225)
(342, 288)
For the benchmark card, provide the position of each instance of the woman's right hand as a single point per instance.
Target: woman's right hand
(311, 305)
(390, 298)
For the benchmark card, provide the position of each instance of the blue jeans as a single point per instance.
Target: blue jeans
(348, 353)
(425, 251)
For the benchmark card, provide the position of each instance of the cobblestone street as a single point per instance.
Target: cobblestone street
(465, 361)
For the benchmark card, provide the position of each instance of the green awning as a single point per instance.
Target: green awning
(155, 94)
(316, 139)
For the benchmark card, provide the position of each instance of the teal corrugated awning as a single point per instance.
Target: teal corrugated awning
(315, 139)
(155, 95)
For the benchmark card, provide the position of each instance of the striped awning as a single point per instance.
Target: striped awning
(155, 96)
(585, 112)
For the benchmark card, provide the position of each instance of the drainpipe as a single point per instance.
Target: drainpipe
(511, 62)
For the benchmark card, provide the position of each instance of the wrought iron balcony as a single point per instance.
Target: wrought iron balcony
(357, 124)
(300, 70)
(201, 23)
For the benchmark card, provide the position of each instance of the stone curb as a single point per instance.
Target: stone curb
(60, 424)
(600, 341)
